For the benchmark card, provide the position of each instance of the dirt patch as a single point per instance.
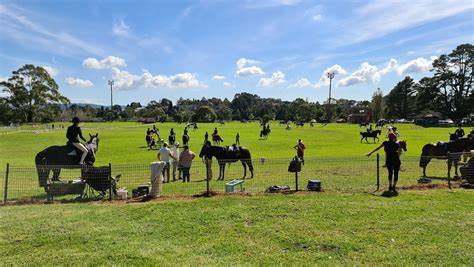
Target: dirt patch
(427, 186)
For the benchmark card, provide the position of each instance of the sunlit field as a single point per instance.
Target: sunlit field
(348, 223)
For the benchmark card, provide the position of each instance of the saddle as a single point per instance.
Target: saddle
(71, 150)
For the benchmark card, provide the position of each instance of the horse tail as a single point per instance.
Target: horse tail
(43, 172)
(425, 157)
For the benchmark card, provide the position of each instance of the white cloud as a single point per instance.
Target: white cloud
(278, 77)
(250, 71)
(242, 62)
(391, 65)
(302, 83)
(324, 80)
(243, 68)
(106, 63)
(415, 66)
(315, 13)
(79, 82)
(52, 71)
(381, 17)
(368, 73)
(218, 77)
(121, 28)
(227, 85)
(317, 17)
(127, 81)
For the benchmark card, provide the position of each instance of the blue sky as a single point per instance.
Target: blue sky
(193, 49)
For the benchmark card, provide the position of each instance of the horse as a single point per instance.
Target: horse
(379, 125)
(216, 139)
(363, 124)
(264, 133)
(224, 155)
(373, 134)
(450, 151)
(54, 158)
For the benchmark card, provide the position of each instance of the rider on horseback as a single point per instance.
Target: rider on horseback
(73, 132)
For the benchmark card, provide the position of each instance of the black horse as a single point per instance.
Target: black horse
(373, 134)
(216, 139)
(450, 151)
(54, 158)
(225, 155)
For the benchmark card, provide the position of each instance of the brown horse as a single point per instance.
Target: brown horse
(216, 139)
(450, 151)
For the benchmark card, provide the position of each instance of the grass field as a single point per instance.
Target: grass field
(345, 225)
(123, 142)
(431, 227)
(334, 154)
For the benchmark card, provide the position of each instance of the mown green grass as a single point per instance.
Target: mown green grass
(416, 228)
(347, 224)
(123, 142)
(334, 154)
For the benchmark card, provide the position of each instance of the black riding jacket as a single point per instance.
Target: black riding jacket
(73, 132)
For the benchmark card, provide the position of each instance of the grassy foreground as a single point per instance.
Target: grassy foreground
(417, 227)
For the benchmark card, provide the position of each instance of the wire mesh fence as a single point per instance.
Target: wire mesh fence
(339, 174)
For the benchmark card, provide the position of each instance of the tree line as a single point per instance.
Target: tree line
(32, 95)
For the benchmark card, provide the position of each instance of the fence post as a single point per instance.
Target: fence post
(296, 181)
(208, 166)
(110, 181)
(5, 191)
(449, 172)
(378, 171)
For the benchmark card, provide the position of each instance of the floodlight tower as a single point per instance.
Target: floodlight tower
(330, 75)
(111, 83)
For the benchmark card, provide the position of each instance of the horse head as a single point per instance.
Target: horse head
(205, 150)
(93, 143)
(403, 145)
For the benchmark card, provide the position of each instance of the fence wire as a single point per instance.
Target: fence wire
(339, 174)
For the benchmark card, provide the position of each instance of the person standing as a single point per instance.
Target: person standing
(74, 132)
(300, 147)
(174, 161)
(392, 159)
(185, 160)
(237, 139)
(206, 138)
(164, 154)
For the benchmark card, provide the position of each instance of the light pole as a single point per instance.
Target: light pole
(330, 75)
(111, 83)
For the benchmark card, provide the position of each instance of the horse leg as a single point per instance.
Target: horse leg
(245, 169)
(56, 172)
(249, 163)
(449, 167)
(456, 163)
(223, 171)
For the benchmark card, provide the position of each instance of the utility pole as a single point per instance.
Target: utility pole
(330, 75)
(111, 83)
